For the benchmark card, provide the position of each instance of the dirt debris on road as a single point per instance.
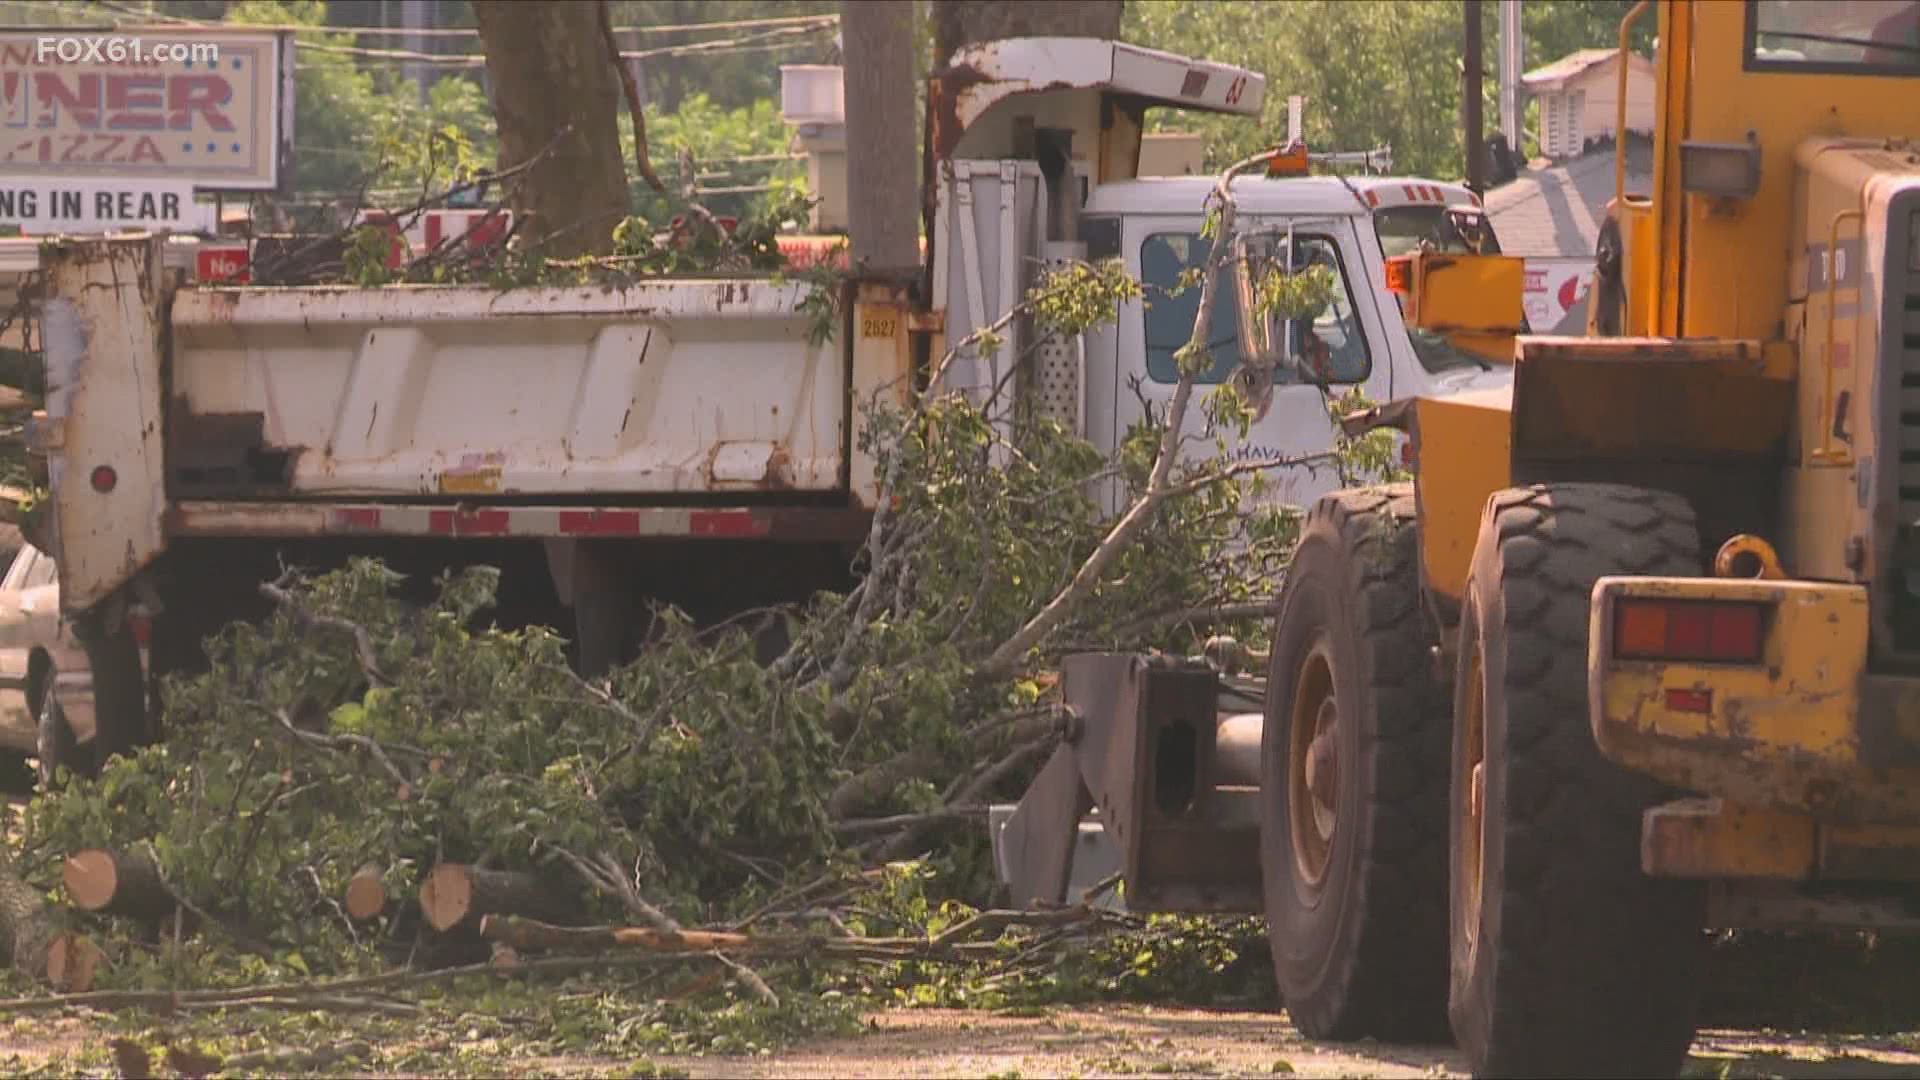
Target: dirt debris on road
(1133, 1040)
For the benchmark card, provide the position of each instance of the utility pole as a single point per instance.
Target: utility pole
(1512, 56)
(883, 183)
(1470, 117)
(417, 15)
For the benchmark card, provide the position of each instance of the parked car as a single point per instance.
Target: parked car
(46, 688)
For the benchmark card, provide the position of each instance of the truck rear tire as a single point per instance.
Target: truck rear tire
(1566, 958)
(58, 748)
(1354, 871)
(121, 717)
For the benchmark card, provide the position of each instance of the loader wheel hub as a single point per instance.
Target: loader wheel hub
(1313, 771)
(1323, 769)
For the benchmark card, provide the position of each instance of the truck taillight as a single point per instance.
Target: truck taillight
(1717, 631)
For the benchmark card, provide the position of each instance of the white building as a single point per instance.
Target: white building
(1579, 99)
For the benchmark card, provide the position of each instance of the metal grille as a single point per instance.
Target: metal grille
(1909, 331)
(1058, 380)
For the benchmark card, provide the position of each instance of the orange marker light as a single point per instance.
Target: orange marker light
(1400, 275)
(1290, 160)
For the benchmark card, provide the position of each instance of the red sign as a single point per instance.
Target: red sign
(222, 265)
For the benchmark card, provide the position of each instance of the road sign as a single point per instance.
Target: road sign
(47, 206)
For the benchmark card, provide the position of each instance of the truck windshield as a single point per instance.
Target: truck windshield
(1834, 37)
(1400, 230)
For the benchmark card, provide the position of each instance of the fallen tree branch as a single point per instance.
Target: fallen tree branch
(863, 826)
(604, 874)
(337, 742)
(1211, 613)
(632, 92)
(258, 996)
(1159, 489)
(750, 979)
(362, 641)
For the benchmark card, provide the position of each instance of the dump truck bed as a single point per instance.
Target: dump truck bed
(657, 388)
(688, 407)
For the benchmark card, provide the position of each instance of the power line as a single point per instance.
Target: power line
(811, 21)
(745, 43)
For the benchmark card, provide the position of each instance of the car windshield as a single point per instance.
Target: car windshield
(1400, 230)
(1864, 37)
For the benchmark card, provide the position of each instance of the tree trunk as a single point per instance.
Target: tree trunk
(456, 895)
(26, 928)
(883, 188)
(958, 23)
(116, 883)
(549, 72)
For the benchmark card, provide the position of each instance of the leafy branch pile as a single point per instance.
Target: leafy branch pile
(358, 783)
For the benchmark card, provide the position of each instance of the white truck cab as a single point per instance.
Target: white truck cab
(1350, 225)
(1002, 214)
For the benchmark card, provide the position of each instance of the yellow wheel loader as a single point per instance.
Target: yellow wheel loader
(1636, 655)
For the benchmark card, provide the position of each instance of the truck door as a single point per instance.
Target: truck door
(1296, 422)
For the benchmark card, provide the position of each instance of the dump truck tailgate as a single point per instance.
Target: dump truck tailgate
(660, 387)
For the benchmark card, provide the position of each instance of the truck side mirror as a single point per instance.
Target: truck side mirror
(1268, 338)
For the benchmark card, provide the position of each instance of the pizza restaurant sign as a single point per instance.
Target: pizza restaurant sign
(212, 109)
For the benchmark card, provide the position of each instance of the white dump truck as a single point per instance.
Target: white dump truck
(683, 440)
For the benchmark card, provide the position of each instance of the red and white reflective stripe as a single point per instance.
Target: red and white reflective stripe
(1409, 193)
(809, 524)
(546, 521)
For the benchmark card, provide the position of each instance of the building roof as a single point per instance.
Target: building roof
(1555, 75)
(1556, 211)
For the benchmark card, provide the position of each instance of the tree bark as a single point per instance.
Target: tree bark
(883, 189)
(456, 895)
(26, 927)
(116, 883)
(548, 69)
(959, 23)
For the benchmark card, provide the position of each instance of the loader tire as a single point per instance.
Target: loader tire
(1566, 958)
(1353, 863)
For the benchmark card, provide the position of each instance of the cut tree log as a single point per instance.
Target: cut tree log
(116, 883)
(367, 893)
(72, 961)
(457, 895)
(26, 926)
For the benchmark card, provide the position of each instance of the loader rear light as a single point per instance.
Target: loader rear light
(1716, 631)
(1685, 699)
(103, 478)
